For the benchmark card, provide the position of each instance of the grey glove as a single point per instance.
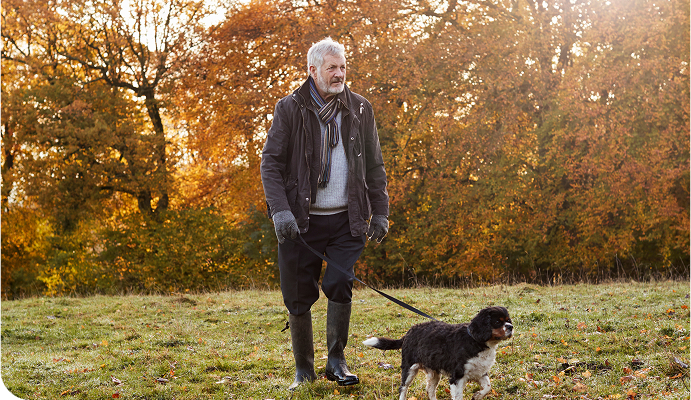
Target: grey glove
(378, 228)
(285, 225)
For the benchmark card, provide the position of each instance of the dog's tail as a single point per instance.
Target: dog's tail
(384, 343)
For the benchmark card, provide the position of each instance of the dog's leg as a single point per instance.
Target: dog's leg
(432, 383)
(407, 376)
(486, 386)
(457, 388)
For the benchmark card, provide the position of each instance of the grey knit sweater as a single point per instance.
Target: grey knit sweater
(333, 198)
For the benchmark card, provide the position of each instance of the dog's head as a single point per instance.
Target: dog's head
(491, 323)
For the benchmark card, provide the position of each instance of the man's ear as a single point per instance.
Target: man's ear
(313, 71)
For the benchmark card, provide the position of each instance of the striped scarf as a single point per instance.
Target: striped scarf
(327, 113)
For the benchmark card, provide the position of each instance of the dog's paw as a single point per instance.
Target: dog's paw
(478, 396)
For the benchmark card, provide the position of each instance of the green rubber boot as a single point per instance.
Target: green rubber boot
(337, 325)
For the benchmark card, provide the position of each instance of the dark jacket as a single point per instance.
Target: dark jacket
(291, 159)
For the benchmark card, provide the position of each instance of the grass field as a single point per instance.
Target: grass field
(616, 341)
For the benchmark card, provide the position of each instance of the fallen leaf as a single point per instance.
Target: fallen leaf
(581, 325)
(116, 395)
(115, 380)
(162, 381)
(580, 388)
(624, 379)
(637, 363)
(336, 392)
(587, 374)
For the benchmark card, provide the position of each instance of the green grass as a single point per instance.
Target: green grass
(572, 342)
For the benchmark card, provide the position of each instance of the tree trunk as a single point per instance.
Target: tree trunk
(161, 172)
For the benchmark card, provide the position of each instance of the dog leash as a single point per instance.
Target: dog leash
(403, 304)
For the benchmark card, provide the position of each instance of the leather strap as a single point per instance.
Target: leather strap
(403, 304)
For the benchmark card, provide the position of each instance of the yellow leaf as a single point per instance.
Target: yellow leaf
(580, 387)
(336, 392)
(104, 342)
(587, 374)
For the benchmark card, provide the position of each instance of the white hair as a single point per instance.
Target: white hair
(316, 53)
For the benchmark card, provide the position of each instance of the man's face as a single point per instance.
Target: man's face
(330, 77)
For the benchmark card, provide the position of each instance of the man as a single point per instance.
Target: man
(324, 178)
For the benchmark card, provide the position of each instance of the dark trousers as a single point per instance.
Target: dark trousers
(300, 269)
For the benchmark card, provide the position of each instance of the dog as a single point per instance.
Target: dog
(463, 352)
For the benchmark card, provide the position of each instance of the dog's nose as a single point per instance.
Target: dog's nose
(508, 326)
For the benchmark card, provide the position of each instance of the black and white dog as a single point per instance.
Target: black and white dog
(462, 352)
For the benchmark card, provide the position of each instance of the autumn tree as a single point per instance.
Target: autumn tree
(493, 183)
(121, 52)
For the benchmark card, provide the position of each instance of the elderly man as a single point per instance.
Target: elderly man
(324, 178)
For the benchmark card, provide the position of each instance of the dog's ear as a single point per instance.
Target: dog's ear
(480, 328)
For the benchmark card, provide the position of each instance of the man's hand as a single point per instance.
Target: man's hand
(285, 225)
(378, 228)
